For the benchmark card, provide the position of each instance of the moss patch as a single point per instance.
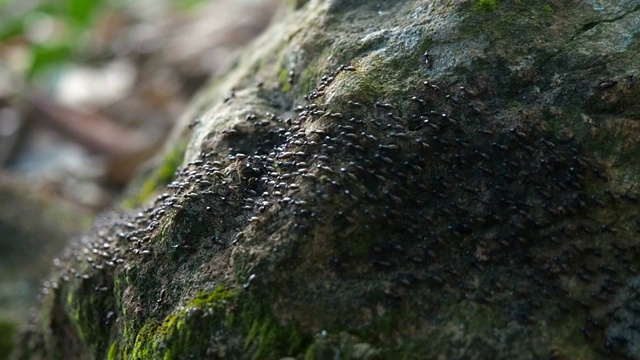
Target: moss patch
(7, 332)
(113, 351)
(486, 5)
(271, 340)
(218, 323)
(308, 79)
(163, 175)
(88, 304)
(285, 85)
(144, 347)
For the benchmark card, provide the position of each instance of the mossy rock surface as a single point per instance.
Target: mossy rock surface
(384, 180)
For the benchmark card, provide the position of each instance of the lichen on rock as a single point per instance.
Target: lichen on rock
(457, 184)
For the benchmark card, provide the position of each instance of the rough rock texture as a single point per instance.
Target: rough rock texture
(383, 179)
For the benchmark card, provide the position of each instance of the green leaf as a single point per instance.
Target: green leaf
(44, 57)
(82, 11)
(11, 28)
(187, 5)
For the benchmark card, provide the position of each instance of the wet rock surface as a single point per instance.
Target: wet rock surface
(381, 179)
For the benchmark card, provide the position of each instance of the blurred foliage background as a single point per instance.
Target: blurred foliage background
(89, 91)
(57, 32)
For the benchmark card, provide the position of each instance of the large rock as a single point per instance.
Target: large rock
(383, 179)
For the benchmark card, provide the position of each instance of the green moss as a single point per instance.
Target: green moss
(486, 5)
(206, 299)
(122, 281)
(547, 9)
(163, 175)
(242, 321)
(144, 344)
(113, 351)
(310, 353)
(308, 79)
(266, 336)
(271, 340)
(368, 90)
(7, 332)
(86, 309)
(283, 76)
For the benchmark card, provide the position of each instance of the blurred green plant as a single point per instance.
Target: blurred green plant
(59, 31)
(55, 31)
